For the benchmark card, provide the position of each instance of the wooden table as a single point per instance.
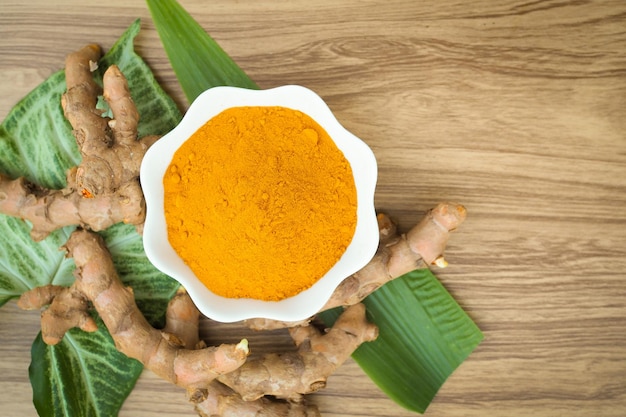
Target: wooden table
(515, 109)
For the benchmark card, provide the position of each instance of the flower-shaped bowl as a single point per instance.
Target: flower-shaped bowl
(155, 236)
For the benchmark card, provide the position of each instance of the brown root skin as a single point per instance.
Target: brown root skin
(49, 210)
(112, 162)
(68, 309)
(285, 376)
(39, 297)
(290, 375)
(397, 255)
(109, 147)
(222, 401)
(182, 323)
(104, 189)
(97, 279)
(182, 320)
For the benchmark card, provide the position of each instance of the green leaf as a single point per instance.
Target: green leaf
(25, 264)
(35, 138)
(424, 336)
(81, 376)
(198, 61)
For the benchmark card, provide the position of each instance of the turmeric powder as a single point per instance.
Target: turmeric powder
(260, 203)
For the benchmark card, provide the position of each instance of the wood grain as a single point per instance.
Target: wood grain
(516, 109)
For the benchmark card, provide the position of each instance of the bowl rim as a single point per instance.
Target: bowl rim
(308, 302)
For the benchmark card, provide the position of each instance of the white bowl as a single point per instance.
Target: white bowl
(164, 257)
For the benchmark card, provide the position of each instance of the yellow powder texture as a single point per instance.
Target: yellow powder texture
(260, 203)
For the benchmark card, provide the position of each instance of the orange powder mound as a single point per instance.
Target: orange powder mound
(260, 203)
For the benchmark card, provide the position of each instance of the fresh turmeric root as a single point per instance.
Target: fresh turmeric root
(69, 308)
(182, 319)
(291, 375)
(109, 147)
(286, 376)
(104, 189)
(208, 373)
(170, 353)
(98, 282)
(223, 401)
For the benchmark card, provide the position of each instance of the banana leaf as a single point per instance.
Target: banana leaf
(424, 334)
(198, 61)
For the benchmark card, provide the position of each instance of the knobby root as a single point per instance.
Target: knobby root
(104, 188)
(290, 375)
(98, 283)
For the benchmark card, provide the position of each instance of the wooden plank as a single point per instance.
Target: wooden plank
(515, 109)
